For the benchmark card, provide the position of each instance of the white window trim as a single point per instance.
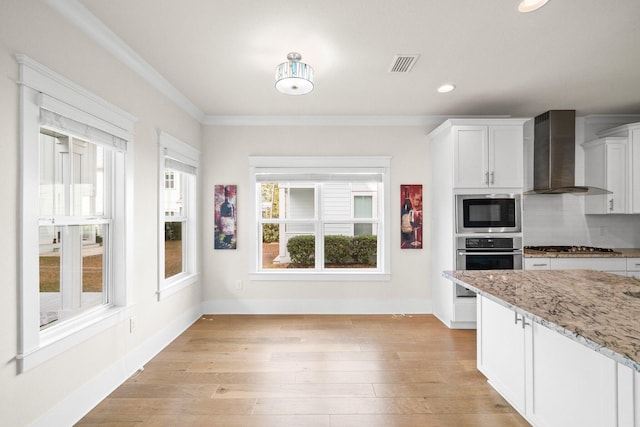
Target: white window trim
(173, 148)
(63, 96)
(258, 164)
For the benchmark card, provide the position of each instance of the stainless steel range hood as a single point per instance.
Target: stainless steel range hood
(554, 155)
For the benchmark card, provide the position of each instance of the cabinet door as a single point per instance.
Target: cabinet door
(606, 165)
(501, 351)
(595, 176)
(617, 177)
(470, 154)
(506, 156)
(634, 155)
(569, 384)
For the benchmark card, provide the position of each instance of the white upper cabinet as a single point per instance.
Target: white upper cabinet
(631, 133)
(606, 166)
(488, 156)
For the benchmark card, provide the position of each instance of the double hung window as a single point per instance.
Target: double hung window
(177, 214)
(75, 177)
(320, 217)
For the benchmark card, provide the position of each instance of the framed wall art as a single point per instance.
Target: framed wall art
(411, 216)
(225, 217)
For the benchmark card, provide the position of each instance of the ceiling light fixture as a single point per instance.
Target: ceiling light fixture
(446, 88)
(294, 77)
(531, 5)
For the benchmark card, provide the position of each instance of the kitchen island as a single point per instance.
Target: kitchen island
(562, 346)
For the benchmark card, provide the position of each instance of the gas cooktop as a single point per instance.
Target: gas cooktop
(572, 249)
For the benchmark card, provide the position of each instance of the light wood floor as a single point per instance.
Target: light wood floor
(311, 371)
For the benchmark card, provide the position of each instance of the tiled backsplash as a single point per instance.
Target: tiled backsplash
(560, 220)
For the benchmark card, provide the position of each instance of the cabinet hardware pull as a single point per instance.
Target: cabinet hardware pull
(540, 265)
(492, 177)
(522, 319)
(611, 204)
(486, 178)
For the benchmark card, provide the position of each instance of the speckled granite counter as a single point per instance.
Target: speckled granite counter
(618, 253)
(593, 308)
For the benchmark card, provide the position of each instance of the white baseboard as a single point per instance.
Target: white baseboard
(318, 306)
(79, 403)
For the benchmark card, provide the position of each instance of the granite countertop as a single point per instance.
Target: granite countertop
(591, 307)
(618, 253)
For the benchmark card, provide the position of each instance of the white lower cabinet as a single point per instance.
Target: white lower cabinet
(501, 351)
(552, 380)
(568, 384)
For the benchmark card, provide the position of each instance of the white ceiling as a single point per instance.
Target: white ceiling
(221, 55)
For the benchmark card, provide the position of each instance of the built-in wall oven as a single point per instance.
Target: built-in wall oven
(487, 213)
(487, 253)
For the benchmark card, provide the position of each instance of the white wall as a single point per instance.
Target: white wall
(560, 220)
(226, 151)
(66, 383)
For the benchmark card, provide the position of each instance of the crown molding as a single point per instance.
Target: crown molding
(420, 121)
(87, 22)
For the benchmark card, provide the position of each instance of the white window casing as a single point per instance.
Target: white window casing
(181, 157)
(50, 101)
(328, 173)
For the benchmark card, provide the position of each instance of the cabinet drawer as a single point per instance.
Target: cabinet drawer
(599, 264)
(536, 264)
(633, 264)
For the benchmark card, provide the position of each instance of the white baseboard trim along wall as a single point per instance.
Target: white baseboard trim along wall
(318, 306)
(78, 404)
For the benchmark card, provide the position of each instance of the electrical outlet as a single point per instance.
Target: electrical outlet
(238, 284)
(132, 324)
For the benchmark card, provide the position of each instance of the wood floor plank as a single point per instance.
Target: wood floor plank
(311, 371)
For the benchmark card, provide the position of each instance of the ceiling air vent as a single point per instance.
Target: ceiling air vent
(403, 63)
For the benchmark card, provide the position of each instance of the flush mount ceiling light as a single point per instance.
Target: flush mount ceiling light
(531, 5)
(294, 77)
(446, 88)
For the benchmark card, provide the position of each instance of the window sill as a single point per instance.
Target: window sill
(67, 335)
(176, 284)
(324, 276)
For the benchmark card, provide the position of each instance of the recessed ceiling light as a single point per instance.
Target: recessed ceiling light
(531, 5)
(446, 88)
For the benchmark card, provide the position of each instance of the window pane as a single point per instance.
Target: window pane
(54, 154)
(281, 249)
(72, 271)
(88, 178)
(173, 197)
(93, 254)
(349, 251)
(270, 200)
(173, 254)
(300, 204)
(274, 255)
(50, 269)
(362, 208)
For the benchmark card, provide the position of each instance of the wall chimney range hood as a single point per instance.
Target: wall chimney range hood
(554, 155)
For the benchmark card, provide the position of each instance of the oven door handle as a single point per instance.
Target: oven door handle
(465, 253)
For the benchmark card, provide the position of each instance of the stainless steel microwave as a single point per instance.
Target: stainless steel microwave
(488, 213)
